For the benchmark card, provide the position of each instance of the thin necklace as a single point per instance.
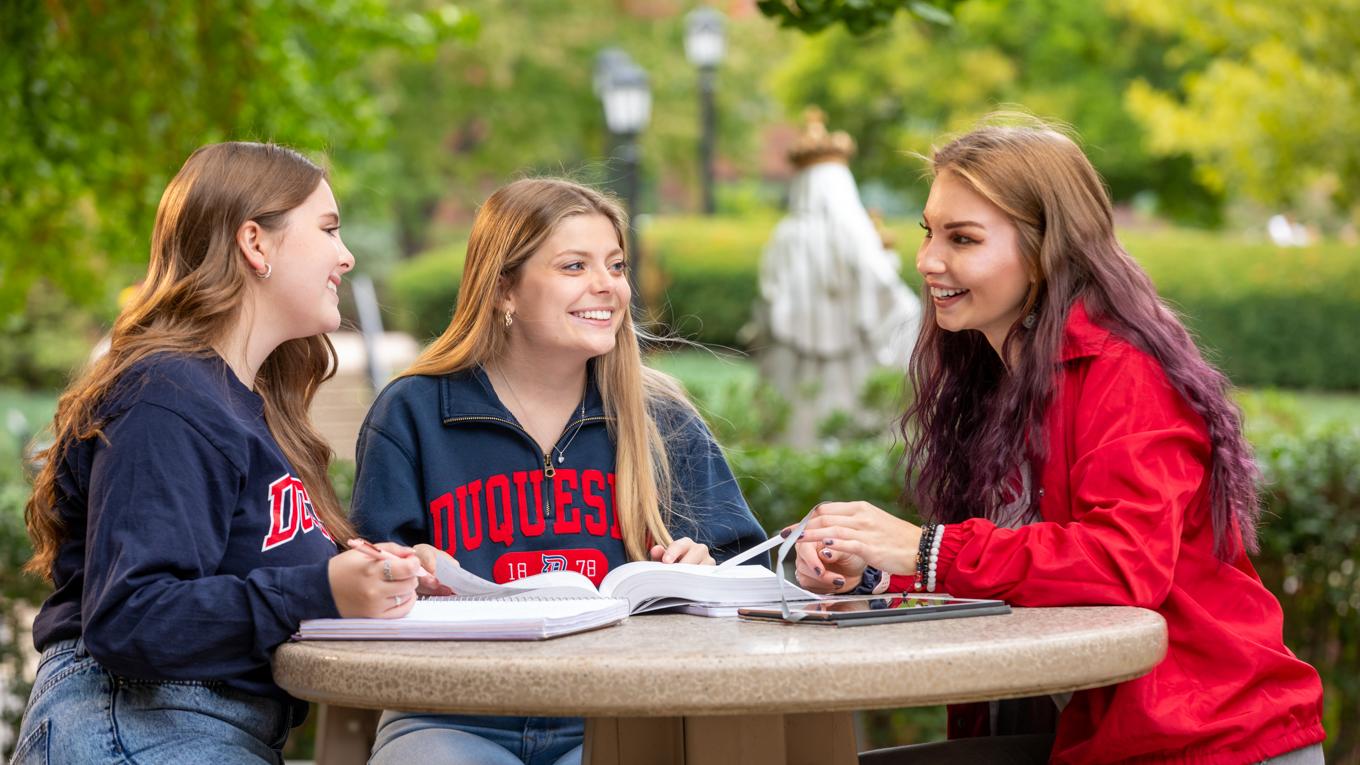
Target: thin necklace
(561, 453)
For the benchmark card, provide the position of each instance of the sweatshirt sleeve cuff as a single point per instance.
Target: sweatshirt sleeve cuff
(308, 593)
(952, 540)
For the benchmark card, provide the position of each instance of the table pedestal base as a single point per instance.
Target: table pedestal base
(794, 739)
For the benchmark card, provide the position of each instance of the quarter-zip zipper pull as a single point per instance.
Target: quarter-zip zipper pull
(548, 472)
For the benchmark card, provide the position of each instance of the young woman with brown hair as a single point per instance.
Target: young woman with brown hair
(530, 437)
(1069, 445)
(183, 512)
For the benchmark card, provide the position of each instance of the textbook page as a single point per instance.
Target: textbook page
(646, 585)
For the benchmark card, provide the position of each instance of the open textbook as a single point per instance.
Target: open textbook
(562, 602)
(645, 585)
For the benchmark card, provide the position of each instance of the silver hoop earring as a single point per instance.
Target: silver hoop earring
(268, 269)
(1030, 320)
(509, 319)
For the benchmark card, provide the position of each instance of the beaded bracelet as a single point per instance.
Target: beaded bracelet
(935, 541)
(923, 554)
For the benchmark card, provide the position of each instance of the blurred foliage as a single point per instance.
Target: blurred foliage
(858, 16)
(420, 293)
(1270, 107)
(901, 89)
(47, 341)
(1310, 558)
(423, 107)
(104, 101)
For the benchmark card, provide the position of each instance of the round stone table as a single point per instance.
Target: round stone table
(684, 689)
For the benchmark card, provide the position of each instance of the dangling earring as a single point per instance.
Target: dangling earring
(1030, 320)
(268, 269)
(509, 319)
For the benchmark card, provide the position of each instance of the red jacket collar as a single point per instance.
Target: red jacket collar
(1082, 337)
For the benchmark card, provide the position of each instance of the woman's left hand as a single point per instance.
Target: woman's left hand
(683, 550)
(883, 541)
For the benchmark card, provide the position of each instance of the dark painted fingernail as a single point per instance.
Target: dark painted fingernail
(828, 542)
(839, 582)
(826, 554)
(785, 533)
(818, 569)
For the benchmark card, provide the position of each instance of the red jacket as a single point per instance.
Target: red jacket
(1124, 499)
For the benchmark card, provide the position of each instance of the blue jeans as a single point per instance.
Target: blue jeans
(407, 737)
(79, 712)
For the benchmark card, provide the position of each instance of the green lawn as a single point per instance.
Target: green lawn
(709, 368)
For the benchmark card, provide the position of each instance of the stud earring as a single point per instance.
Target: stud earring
(509, 319)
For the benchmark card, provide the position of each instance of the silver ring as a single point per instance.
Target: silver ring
(387, 571)
(399, 599)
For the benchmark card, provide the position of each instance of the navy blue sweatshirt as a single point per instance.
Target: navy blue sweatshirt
(191, 548)
(442, 461)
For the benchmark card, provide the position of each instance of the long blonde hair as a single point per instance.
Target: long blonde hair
(512, 224)
(192, 296)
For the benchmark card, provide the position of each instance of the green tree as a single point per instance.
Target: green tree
(519, 100)
(1270, 99)
(897, 90)
(102, 102)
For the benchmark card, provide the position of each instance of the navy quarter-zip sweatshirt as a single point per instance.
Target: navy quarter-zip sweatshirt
(442, 461)
(191, 548)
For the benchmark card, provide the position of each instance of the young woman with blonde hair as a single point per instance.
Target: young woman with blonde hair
(1069, 446)
(183, 512)
(530, 437)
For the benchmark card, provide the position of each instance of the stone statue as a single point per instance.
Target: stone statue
(832, 305)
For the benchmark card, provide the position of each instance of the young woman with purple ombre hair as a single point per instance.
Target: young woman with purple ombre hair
(1068, 445)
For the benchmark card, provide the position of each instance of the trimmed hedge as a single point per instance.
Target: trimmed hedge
(1268, 316)
(419, 295)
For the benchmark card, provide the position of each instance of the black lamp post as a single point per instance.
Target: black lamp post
(705, 44)
(627, 108)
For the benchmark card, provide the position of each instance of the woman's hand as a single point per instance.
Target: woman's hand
(821, 574)
(364, 586)
(429, 559)
(683, 550)
(858, 530)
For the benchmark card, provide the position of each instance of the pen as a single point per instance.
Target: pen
(377, 553)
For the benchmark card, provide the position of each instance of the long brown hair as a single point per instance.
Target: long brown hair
(192, 297)
(512, 224)
(973, 422)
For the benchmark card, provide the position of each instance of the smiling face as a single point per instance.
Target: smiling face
(571, 295)
(306, 264)
(971, 261)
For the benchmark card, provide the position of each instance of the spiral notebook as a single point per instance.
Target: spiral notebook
(454, 618)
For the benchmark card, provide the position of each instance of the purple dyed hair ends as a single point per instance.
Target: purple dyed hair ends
(973, 423)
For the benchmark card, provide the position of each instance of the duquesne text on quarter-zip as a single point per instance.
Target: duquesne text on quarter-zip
(442, 461)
